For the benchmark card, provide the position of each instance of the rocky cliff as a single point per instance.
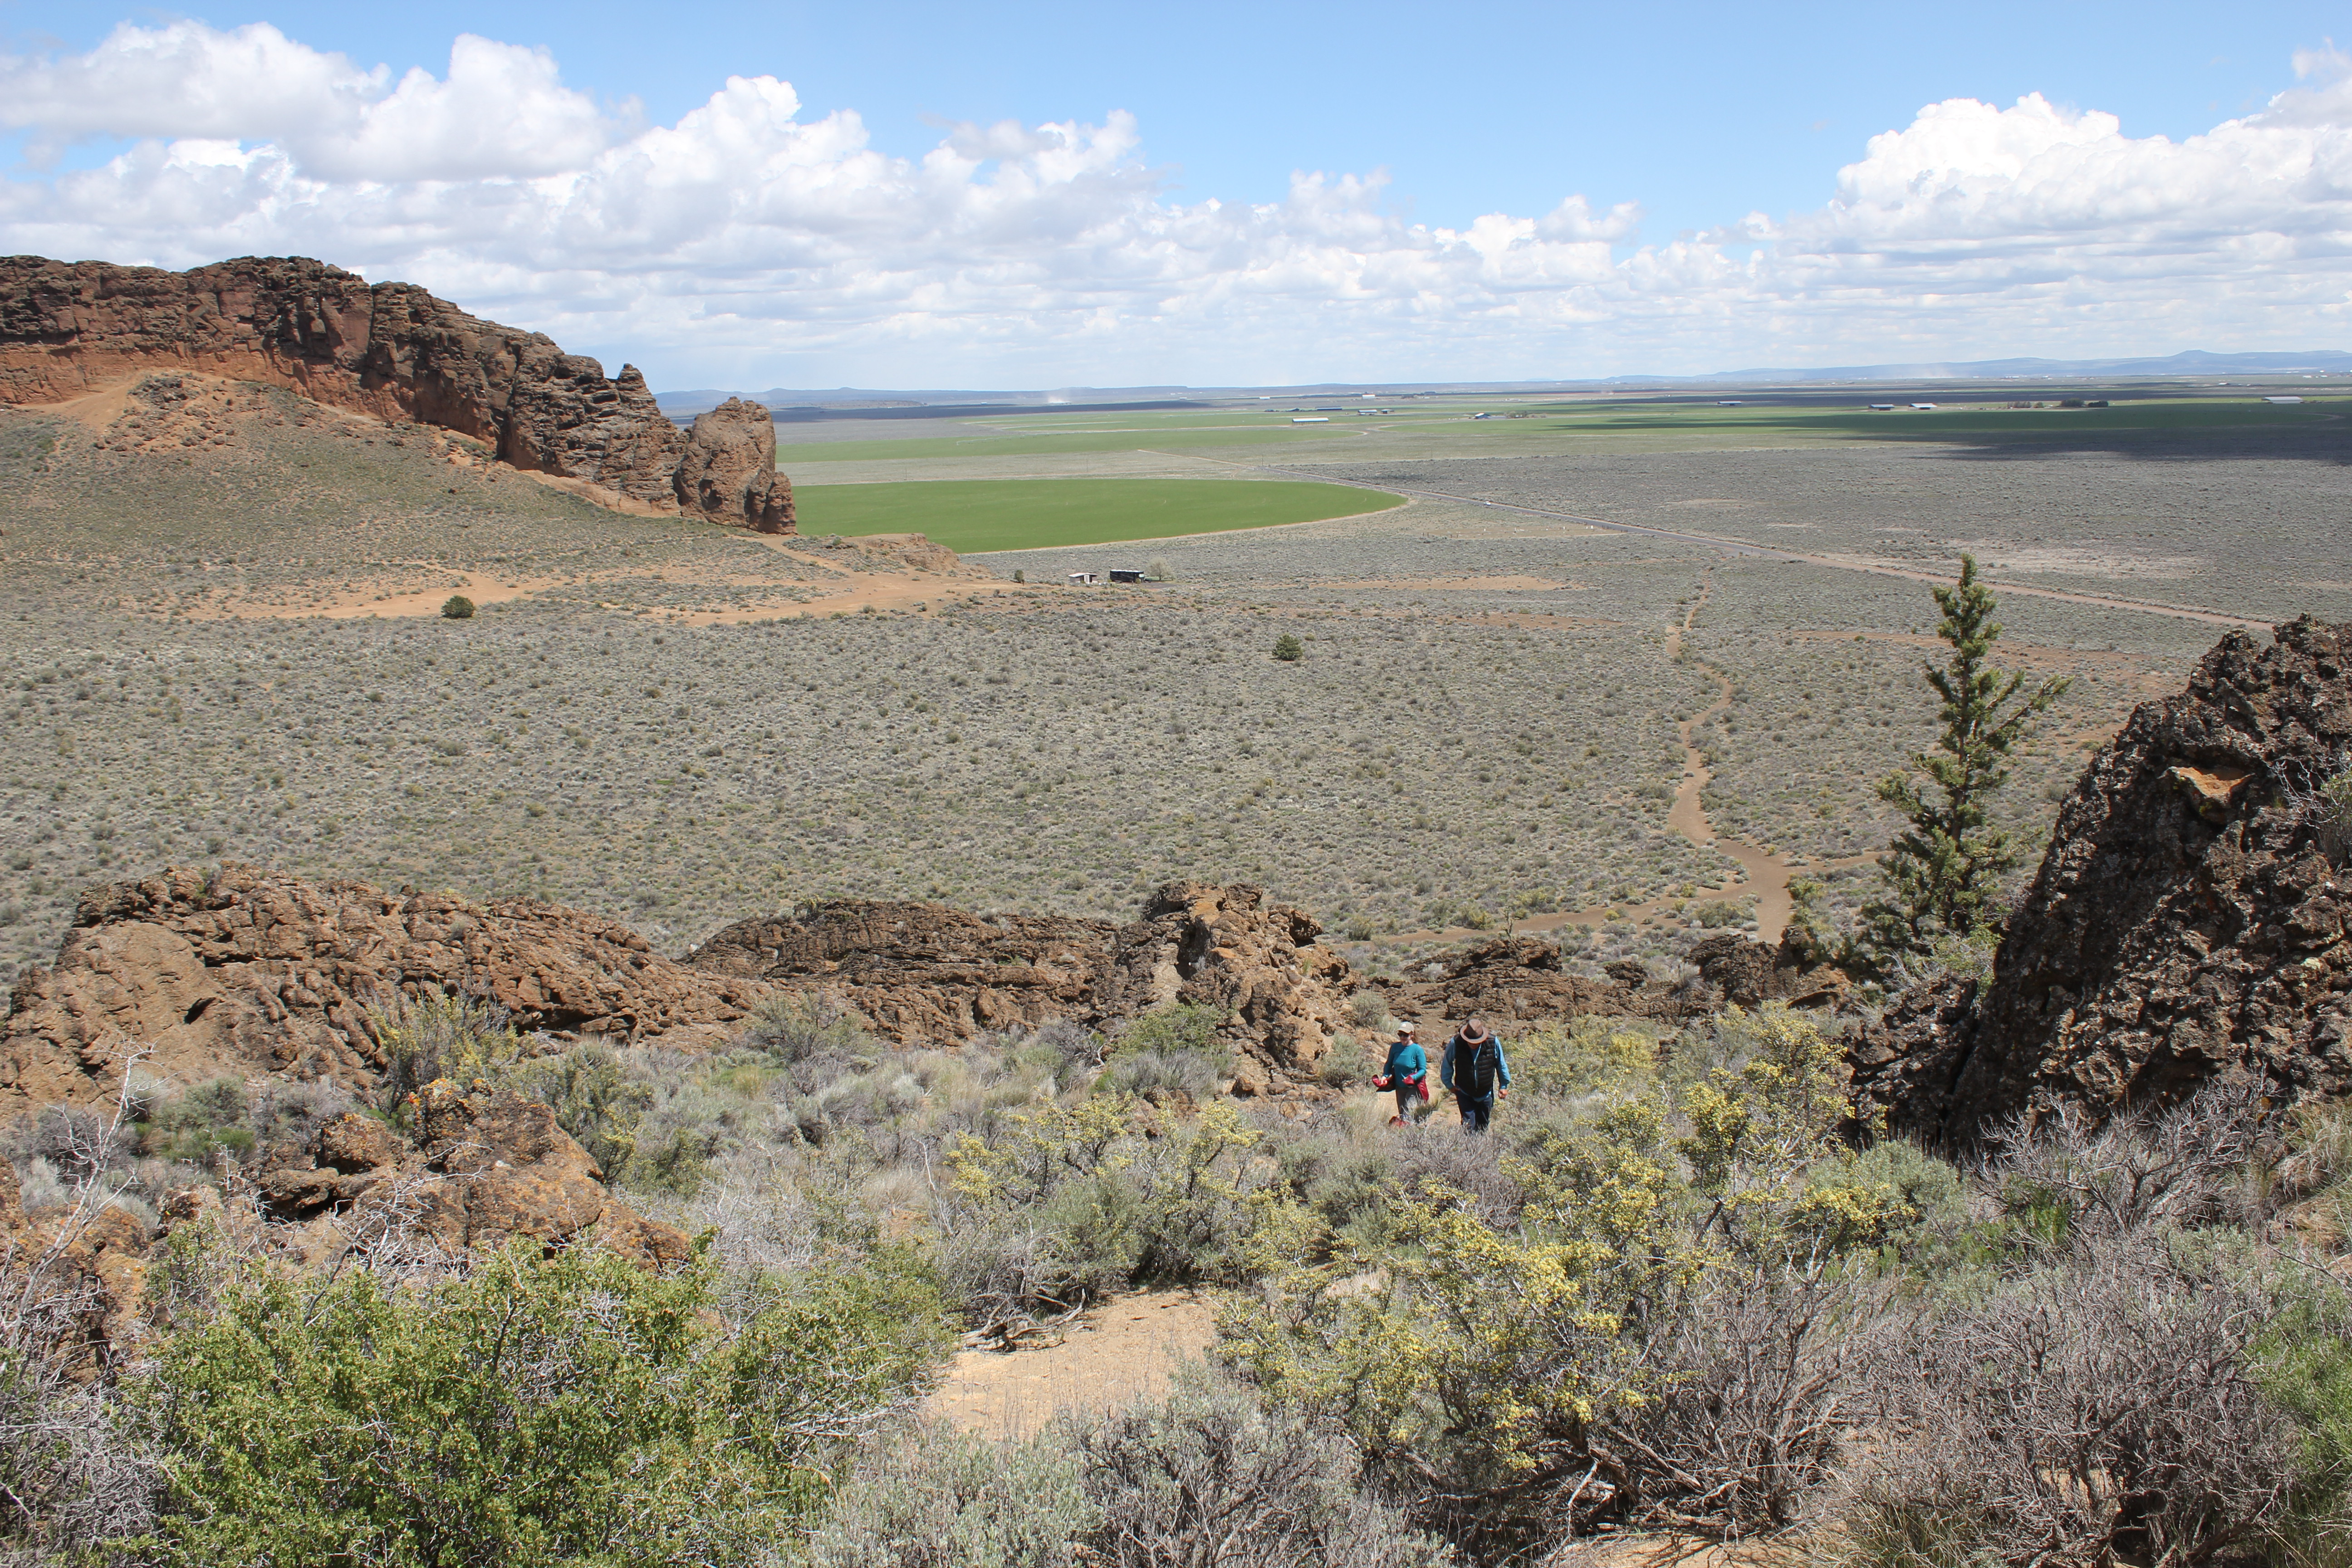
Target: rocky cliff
(390, 350)
(2188, 922)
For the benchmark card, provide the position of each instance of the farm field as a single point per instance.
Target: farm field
(228, 652)
(969, 515)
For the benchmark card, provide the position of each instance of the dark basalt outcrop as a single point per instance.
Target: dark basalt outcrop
(2187, 924)
(390, 350)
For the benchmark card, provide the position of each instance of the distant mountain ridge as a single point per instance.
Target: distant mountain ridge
(851, 402)
(2193, 361)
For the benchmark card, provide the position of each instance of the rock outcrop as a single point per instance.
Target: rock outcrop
(254, 971)
(925, 973)
(728, 471)
(390, 350)
(485, 1169)
(2187, 924)
(1744, 973)
(1512, 981)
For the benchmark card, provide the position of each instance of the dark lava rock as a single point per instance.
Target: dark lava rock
(2187, 924)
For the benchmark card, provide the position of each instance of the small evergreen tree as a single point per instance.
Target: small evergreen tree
(1944, 871)
(1288, 648)
(458, 607)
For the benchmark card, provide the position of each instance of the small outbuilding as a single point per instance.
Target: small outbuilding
(1117, 575)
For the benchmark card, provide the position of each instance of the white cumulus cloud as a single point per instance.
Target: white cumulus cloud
(752, 243)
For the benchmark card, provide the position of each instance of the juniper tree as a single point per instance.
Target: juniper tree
(1943, 871)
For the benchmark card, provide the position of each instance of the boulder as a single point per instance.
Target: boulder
(2186, 925)
(250, 973)
(728, 472)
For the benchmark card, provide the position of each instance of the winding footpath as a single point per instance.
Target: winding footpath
(1761, 875)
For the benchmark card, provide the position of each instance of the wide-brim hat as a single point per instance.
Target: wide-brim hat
(1472, 1035)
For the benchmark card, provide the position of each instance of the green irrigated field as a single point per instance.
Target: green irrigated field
(972, 516)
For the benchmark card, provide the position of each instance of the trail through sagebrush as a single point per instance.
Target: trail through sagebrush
(1762, 874)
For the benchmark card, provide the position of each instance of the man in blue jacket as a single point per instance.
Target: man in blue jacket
(1476, 1073)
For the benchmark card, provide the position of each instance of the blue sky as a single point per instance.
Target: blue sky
(1697, 116)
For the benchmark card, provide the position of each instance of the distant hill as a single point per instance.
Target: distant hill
(2195, 361)
(857, 401)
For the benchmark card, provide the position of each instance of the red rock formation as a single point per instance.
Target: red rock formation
(254, 971)
(728, 471)
(388, 348)
(2188, 922)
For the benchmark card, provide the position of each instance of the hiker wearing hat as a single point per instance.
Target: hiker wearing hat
(1407, 1072)
(1476, 1073)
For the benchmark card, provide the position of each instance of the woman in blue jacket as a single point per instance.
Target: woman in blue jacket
(1407, 1072)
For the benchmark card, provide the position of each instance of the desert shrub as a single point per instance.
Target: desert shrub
(1069, 1202)
(1173, 1048)
(1368, 1009)
(198, 1124)
(1648, 1312)
(72, 1143)
(1288, 648)
(289, 1112)
(2066, 1181)
(1208, 1476)
(805, 1028)
(1202, 1478)
(535, 1412)
(76, 1479)
(1155, 1074)
(2107, 1407)
(1590, 1056)
(595, 1097)
(457, 607)
(438, 1035)
(1177, 1026)
(938, 1499)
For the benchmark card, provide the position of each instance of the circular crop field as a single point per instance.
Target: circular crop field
(971, 516)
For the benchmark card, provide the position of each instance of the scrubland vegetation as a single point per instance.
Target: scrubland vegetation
(1678, 1289)
(1672, 1291)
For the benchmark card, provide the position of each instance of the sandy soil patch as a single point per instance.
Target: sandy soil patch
(94, 411)
(876, 592)
(1122, 1351)
(357, 604)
